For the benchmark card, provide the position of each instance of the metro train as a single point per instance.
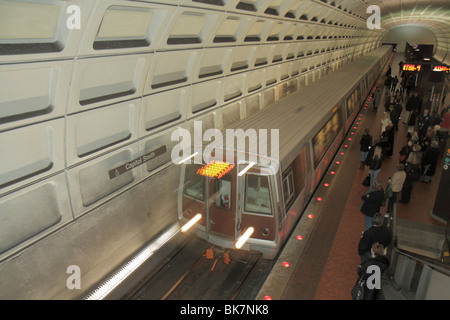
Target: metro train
(250, 200)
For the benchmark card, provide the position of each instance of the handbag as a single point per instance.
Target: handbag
(358, 290)
(366, 181)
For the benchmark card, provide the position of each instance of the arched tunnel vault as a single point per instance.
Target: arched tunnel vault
(87, 86)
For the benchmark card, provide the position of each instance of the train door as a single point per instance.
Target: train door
(222, 205)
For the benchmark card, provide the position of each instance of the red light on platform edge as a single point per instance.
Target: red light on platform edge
(342, 153)
(310, 216)
(332, 172)
(326, 184)
(267, 298)
(285, 264)
(338, 162)
(299, 237)
(319, 199)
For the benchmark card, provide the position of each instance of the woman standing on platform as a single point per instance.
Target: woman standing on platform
(371, 203)
(378, 259)
(412, 169)
(429, 161)
(374, 164)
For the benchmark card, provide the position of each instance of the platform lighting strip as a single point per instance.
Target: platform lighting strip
(109, 285)
(251, 164)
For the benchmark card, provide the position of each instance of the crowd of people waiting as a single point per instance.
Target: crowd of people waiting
(417, 158)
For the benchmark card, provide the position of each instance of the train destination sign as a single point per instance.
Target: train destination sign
(136, 162)
(412, 67)
(441, 68)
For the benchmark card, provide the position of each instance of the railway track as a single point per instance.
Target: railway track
(200, 271)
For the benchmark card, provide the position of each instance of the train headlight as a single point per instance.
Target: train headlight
(243, 239)
(191, 222)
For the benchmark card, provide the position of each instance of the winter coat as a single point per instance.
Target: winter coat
(430, 158)
(372, 202)
(383, 263)
(412, 174)
(365, 142)
(397, 180)
(374, 234)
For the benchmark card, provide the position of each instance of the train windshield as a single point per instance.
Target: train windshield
(257, 194)
(194, 184)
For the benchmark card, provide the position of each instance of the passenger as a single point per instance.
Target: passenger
(394, 116)
(387, 84)
(396, 185)
(405, 151)
(411, 123)
(377, 258)
(366, 144)
(371, 204)
(387, 141)
(376, 99)
(389, 72)
(429, 161)
(376, 233)
(411, 105)
(385, 121)
(423, 122)
(412, 170)
(390, 100)
(374, 164)
(394, 84)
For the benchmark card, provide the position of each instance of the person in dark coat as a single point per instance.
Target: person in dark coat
(429, 161)
(423, 122)
(412, 169)
(366, 144)
(377, 258)
(411, 104)
(394, 116)
(387, 141)
(412, 122)
(405, 151)
(377, 233)
(372, 202)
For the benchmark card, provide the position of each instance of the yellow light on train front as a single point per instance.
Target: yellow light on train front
(191, 222)
(215, 169)
(243, 239)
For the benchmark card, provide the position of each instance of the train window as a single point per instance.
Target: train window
(222, 192)
(257, 194)
(323, 139)
(193, 183)
(288, 187)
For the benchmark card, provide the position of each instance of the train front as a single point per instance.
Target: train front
(232, 199)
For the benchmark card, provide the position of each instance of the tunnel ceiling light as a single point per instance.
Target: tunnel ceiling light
(243, 239)
(191, 222)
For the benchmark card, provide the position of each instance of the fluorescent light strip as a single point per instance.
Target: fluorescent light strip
(186, 159)
(240, 174)
(191, 222)
(109, 285)
(243, 239)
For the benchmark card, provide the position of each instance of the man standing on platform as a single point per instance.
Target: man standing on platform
(377, 233)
